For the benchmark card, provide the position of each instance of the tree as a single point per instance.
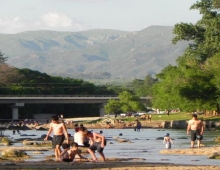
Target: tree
(9, 75)
(191, 85)
(2, 58)
(113, 106)
(143, 87)
(127, 103)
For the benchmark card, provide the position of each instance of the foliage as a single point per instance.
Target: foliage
(127, 103)
(2, 58)
(28, 82)
(8, 75)
(194, 83)
(143, 87)
(6, 140)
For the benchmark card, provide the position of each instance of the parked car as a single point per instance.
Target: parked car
(139, 114)
(123, 114)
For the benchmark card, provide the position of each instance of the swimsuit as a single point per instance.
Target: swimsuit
(195, 135)
(96, 146)
(57, 140)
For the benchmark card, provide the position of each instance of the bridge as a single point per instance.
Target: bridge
(18, 101)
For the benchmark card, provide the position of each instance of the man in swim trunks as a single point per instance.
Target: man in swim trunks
(196, 128)
(97, 142)
(59, 134)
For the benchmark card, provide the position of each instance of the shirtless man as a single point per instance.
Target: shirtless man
(80, 138)
(196, 128)
(97, 142)
(59, 134)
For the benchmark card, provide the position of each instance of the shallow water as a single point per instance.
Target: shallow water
(143, 145)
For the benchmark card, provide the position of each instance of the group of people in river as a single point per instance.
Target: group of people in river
(96, 141)
(195, 129)
(82, 138)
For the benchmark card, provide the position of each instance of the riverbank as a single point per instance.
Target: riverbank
(109, 165)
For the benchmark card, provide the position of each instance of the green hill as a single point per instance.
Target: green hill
(93, 54)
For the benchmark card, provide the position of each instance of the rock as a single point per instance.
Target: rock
(83, 149)
(37, 152)
(43, 136)
(214, 155)
(182, 138)
(6, 141)
(13, 153)
(4, 144)
(160, 138)
(27, 142)
(217, 139)
(41, 128)
(122, 140)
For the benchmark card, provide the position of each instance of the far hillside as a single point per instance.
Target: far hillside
(94, 54)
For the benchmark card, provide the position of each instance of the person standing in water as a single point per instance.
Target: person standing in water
(196, 129)
(167, 141)
(59, 134)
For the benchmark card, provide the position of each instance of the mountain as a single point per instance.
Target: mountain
(93, 54)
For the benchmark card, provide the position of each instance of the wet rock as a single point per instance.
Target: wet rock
(83, 149)
(214, 155)
(44, 136)
(160, 138)
(26, 142)
(41, 128)
(11, 127)
(5, 141)
(37, 152)
(217, 139)
(13, 153)
(122, 140)
(182, 138)
(26, 135)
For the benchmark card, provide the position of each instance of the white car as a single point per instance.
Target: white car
(140, 113)
(123, 114)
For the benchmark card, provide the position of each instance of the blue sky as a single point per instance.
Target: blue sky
(78, 15)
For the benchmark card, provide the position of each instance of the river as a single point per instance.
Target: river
(142, 144)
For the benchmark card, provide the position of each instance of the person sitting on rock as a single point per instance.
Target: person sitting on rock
(65, 155)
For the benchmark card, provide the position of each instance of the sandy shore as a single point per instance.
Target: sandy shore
(109, 165)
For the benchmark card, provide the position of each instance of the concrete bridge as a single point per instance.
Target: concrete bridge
(19, 101)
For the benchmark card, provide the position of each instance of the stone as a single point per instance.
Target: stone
(43, 136)
(13, 153)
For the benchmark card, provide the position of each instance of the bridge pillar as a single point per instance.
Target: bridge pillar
(102, 110)
(15, 111)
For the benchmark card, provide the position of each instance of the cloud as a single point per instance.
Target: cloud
(49, 21)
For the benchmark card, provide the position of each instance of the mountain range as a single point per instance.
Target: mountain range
(93, 54)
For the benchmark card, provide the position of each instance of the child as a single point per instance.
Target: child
(65, 156)
(75, 151)
(59, 134)
(167, 140)
(98, 142)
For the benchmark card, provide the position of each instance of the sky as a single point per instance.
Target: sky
(80, 15)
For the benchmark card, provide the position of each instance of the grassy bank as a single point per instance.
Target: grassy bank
(176, 116)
